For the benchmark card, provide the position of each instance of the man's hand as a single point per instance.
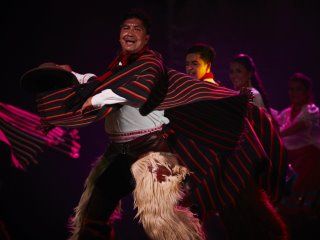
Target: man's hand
(83, 93)
(87, 106)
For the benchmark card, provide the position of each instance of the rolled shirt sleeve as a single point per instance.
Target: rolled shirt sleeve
(84, 78)
(106, 97)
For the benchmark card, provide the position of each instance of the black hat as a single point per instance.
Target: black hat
(47, 77)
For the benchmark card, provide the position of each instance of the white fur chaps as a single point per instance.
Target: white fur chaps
(157, 194)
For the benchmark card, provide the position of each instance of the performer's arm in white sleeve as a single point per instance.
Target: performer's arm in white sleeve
(83, 78)
(107, 96)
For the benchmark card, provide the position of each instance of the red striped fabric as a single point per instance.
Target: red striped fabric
(213, 137)
(219, 181)
(20, 131)
(274, 178)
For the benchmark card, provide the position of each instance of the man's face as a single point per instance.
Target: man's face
(195, 66)
(239, 76)
(133, 36)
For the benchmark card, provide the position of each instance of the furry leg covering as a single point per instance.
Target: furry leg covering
(156, 196)
(78, 220)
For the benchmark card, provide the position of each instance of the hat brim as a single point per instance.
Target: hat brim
(41, 80)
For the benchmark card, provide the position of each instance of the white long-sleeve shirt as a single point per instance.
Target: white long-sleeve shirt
(127, 123)
(310, 135)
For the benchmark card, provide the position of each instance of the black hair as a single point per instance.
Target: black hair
(246, 61)
(207, 53)
(139, 14)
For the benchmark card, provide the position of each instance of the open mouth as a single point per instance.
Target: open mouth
(129, 41)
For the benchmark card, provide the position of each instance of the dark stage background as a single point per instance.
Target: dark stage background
(282, 37)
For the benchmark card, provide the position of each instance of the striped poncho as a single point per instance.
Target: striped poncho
(212, 135)
(20, 132)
